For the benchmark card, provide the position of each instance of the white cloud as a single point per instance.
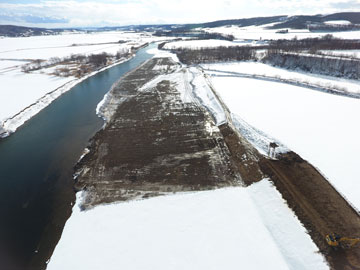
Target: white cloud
(112, 12)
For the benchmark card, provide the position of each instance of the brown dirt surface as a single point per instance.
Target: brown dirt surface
(318, 206)
(244, 157)
(154, 144)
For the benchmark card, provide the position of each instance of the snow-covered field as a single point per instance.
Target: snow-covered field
(20, 90)
(233, 228)
(320, 127)
(54, 41)
(62, 51)
(45, 47)
(5, 65)
(260, 69)
(211, 43)
(259, 32)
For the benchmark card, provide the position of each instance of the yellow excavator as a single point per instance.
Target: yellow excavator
(335, 241)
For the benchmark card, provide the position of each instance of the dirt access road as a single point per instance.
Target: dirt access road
(155, 143)
(317, 204)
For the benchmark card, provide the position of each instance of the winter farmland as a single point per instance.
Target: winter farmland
(223, 145)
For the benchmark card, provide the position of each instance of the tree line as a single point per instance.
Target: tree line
(207, 55)
(84, 63)
(242, 53)
(327, 42)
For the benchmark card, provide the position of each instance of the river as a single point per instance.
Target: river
(36, 167)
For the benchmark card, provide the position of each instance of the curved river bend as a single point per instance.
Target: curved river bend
(36, 167)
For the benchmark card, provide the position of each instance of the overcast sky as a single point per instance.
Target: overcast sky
(69, 13)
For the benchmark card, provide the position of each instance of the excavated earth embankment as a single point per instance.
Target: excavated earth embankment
(154, 143)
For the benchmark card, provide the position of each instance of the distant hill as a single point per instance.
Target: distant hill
(295, 22)
(301, 22)
(239, 22)
(353, 17)
(21, 31)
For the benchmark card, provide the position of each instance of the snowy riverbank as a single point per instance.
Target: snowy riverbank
(23, 95)
(9, 125)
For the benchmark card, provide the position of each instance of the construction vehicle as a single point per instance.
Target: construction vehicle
(335, 241)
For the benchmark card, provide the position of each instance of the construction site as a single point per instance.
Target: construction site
(154, 143)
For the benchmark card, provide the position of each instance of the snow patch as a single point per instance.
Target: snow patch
(209, 43)
(259, 33)
(256, 137)
(160, 53)
(206, 96)
(338, 22)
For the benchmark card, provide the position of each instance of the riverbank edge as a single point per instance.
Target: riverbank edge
(10, 125)
(52, 235)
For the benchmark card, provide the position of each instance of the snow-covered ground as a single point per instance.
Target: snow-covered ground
(342, 53)
(232, 228)
(62, 51)
(20, 90)
(264, 70)
(160, 53)
(338, 22)
(6, 65)
(205, 96)
(36, 46)
(259, 32)
(35, 90)
(320, 127)
(211, 43)
(45, 47)
(21, 103)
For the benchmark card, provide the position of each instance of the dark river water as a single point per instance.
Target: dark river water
(36, 167)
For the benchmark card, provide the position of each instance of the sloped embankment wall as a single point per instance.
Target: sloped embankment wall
(333, 66)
